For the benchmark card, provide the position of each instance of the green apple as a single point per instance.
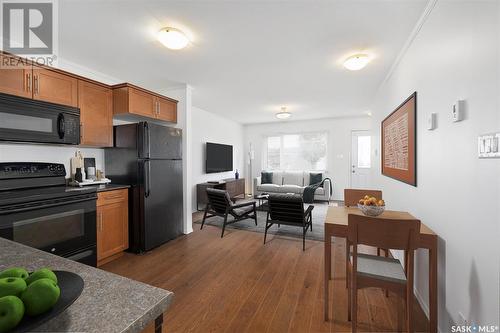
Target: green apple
(42, 273)
(40, 296)
(11, 312)
(14, 272)
(12, 286)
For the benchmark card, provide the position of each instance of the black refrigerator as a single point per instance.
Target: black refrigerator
(148, 156)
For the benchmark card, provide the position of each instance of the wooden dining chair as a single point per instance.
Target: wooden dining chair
(367, 270)
(351, 198)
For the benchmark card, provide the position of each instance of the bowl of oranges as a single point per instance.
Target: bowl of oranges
(371, 206)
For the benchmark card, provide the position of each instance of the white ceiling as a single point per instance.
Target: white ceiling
(247, 58)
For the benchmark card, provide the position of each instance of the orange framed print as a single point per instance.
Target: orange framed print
(399, 139)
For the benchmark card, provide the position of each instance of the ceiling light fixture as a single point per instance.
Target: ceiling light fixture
(356, 62)
(173, 38)
(283, 114)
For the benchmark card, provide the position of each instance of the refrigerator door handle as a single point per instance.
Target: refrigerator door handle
(147, 178)
(147, 140)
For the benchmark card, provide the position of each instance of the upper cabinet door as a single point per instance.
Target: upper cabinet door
(51, 86)
(141, 103)
(166, 110)
(96, 114)
(15, 76)
(130, 101)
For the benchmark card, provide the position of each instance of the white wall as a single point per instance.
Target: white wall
(454, 56)
(339, 145)
(209, 127)
(45, 153)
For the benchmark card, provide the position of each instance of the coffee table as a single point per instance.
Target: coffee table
(263, 201)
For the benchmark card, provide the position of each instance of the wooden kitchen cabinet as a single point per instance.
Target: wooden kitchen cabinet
(16, 76)
(167, 110)
(112, 225)
(96, 114)
(54, 86)
(130, 100)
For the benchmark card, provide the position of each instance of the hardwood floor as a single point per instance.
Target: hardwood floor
(237, 284)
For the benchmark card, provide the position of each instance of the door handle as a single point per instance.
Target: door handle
(61, 125)
(147, 178)
(147, 137)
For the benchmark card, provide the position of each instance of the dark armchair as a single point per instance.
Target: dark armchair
(288, 209)
(220, 204)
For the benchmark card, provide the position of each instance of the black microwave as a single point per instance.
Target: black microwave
(27, 120)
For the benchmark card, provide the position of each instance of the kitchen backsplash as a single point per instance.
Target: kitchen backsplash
(48, 153)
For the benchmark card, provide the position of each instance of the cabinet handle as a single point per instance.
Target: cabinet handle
(28, 82)
(81, 132)
(159, 108)
(100, 221)
(36, 84)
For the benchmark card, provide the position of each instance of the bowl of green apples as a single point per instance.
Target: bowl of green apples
(29, 299)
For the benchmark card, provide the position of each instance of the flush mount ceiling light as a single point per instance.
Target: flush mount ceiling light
(283, 114)
(356, 62)
(173, 38)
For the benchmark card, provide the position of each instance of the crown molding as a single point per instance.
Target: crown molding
(416, 30)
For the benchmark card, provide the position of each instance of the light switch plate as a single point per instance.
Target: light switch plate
(489, 145)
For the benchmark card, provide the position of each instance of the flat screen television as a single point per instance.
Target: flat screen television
(219, 157)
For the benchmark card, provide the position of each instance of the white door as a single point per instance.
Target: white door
(360, 159)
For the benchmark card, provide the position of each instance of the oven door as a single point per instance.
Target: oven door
(62, 228)
(27, 120)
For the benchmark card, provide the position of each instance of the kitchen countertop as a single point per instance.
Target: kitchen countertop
(109, 302)
(109, 187)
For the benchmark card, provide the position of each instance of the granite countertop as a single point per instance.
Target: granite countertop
(109, 302)
(109, 187)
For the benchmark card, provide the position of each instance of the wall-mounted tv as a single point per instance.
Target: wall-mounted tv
(219, 157)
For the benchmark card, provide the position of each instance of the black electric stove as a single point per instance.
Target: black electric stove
(38, 209)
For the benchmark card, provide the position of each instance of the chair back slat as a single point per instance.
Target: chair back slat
(383, 233)
(286, 208)
(352, 196)
(219, 200)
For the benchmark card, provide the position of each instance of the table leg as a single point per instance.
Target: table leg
(159, 323)
(433, 289)
(328, 268)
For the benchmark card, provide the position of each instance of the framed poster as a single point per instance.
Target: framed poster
(399, 138)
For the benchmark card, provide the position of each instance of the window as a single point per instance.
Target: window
(304, 151)
(364, 143)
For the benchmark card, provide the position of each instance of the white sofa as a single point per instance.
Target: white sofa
(291, 182)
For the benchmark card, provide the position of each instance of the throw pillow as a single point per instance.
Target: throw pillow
(315, 178)
(266, 177)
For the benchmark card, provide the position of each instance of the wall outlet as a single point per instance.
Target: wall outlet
(458, 111)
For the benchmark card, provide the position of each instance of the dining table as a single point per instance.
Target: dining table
(336, 226)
